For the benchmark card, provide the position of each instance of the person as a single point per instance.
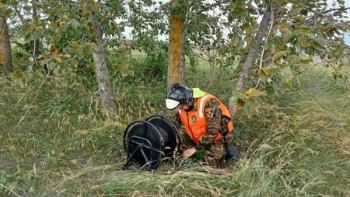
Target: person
(206, 121)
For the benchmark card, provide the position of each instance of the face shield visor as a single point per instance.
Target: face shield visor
(171, 104)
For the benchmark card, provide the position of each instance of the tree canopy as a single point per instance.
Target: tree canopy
(271, 41)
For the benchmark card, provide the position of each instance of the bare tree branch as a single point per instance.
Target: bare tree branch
(325, 12)
(19, 14)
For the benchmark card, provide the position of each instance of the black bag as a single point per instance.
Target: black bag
(231, 152)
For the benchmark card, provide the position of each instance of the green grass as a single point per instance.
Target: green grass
(57, 141)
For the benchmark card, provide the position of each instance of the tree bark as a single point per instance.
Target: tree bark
(103, 80)
(254, 50)
(177, 37)
(5, 45)
(35, 44)
(252, 55)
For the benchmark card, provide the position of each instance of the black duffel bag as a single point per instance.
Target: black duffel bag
(231, 152)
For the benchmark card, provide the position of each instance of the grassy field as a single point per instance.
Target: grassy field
(56, 141)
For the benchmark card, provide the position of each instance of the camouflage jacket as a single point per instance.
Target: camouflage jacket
(216, 122)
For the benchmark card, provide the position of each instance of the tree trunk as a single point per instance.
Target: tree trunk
(253, 50)
(5, 45)
(35, 44)
(103, 80)
(177, 36)
(252, 55)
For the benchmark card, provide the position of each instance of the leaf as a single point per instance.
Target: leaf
(89, 24)
(74, 23)
(261, 73)
(19, 74)
(320, 40)
(282, 27)
(250, 31)
(267, 45)
(53, 48)
(252, 92)
(45, 55)
(304, 42)
(58, 59)
(240, 44)
(248, 39)
(269, 71)
(290, 83)
(304, 12)
(300, 18)
(13, 3)
(38, 28)
(341, 65)
(296, 11)
(117, 67)
(240, 102)
(75, 44)
(112, 27)
(245, 26)
(53, 38)
(287, 76)
(316, 45)
(29, 36)
(279, 54)
(27, 8)
(234, 15)
(305, 57)
(269, 80)
(281, 64)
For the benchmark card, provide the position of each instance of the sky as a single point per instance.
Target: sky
(347, 35)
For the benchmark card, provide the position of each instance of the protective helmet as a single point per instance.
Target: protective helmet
(178, 94)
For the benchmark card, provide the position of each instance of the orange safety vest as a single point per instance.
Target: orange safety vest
(195, 123)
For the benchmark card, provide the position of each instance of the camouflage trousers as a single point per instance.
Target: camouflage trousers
(214, 154)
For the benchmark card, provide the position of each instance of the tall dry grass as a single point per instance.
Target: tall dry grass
(55, 141)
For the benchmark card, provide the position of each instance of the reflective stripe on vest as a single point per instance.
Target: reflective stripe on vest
(201, 105)
(195, 123)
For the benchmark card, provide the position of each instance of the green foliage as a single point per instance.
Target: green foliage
(59, 37)
(298, 32)
(149, 24)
